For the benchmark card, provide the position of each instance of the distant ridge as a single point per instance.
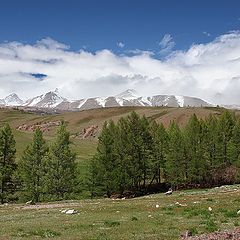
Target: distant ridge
(53, 100)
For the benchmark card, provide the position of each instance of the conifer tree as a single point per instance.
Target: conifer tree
(123, 155)
(160, 143)
(146, 149)
(137, 157)
(211, 134)
(107, 158)
(196, 163)
(234, 145)
(225, 127)
(60, 165)
(175, 156)
(7, 162)
(32, 167)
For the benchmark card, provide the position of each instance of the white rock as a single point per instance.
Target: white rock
(157, 206)
(71, 211)
(209, 209)
(169, 192)
(29, 202)
(238, 212)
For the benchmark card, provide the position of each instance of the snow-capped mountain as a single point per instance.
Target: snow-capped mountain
(128, 94)
(11, 100)
(131, 98)
(48, 100)
(53, 100)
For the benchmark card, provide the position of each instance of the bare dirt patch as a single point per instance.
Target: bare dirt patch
(231, 234)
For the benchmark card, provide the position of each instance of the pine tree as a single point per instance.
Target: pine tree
(123, 155)
(234, 145)
(211, 134)
(137, 150)
(160, 143)
(32, 167)
(225, 127)
(175, 169)
(106, 158)
(146, 148)
(196, 162)
(60, 165)
(7, 162)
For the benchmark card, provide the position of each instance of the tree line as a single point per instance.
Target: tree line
(42, 173)
(136, 153)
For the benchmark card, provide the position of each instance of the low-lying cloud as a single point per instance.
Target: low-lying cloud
(210, 71)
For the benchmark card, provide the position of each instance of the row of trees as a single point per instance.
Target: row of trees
(43, 172)
(133, 154)
(137, 153)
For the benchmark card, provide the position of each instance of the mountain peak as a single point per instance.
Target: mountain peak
(13, 100)
(128, 94)
(48, 100)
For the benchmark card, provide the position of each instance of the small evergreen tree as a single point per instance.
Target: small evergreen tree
(32, 168)
(7, 162)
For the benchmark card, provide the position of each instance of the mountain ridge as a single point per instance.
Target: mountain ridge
(53, 100)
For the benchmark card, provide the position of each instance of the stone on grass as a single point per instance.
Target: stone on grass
(169, 192)
(70, 211)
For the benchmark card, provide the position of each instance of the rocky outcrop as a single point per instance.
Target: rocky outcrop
(43, 126)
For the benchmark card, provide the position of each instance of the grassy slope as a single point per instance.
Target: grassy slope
(78, 120)
(85, 149)
(125, 219)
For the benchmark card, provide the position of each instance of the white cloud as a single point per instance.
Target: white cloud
(210, 71)
(207, 34)
(166, 44)
(121, 44)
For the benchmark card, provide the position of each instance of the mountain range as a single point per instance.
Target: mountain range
(53, 100)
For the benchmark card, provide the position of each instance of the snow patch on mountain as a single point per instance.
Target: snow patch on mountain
(82, 103)
(101, 101)
(119, 101)
(180, 100)
(146, 101)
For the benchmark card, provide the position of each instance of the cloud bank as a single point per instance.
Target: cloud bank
(210, 71)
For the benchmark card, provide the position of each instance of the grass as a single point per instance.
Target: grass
(124, 219)
(78, 120)
(120, 219)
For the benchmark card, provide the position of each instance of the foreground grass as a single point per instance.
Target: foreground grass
(125, 219)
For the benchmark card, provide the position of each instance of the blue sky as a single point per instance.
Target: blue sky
(99, 24)
(102, 47)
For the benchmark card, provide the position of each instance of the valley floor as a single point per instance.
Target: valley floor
(150, 217)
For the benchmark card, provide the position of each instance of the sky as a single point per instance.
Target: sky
(100, 48)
